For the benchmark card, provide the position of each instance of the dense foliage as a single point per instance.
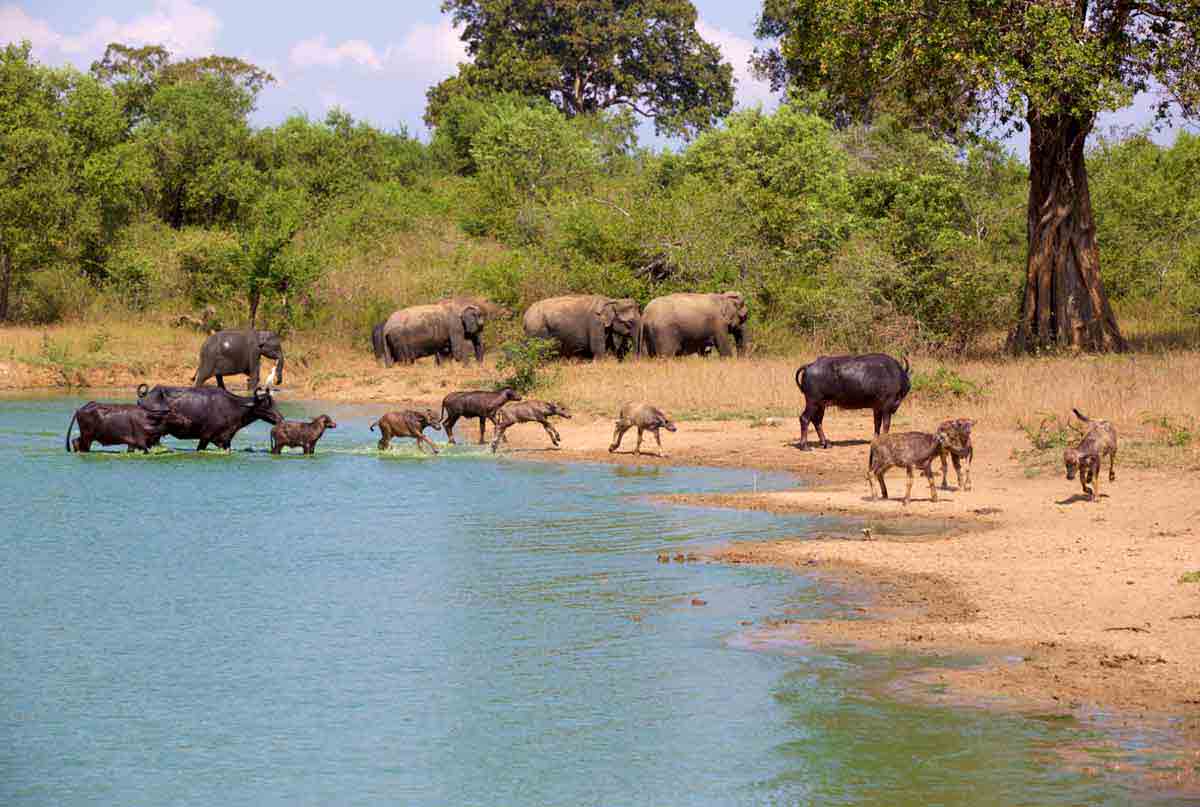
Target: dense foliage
(956, 67)
(161, 199)
(591, 56)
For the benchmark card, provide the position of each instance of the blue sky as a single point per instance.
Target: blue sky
(375, 59)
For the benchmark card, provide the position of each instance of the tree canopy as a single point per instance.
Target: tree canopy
(588, 56)
(963, 65)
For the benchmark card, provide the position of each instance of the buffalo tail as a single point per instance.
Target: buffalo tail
(800, 373)
(1081, 416)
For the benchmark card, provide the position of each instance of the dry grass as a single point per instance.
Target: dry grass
(1150, 396)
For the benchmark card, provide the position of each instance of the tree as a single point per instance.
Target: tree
(588, 56)
(36, 195)
(963, 66)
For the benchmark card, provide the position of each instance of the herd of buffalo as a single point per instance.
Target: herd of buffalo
(584, 326)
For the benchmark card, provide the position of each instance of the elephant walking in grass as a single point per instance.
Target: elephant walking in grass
(683, 324)
(431, 330)
(238, 352)
(585, 325)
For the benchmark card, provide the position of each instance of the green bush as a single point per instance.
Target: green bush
(524, 359)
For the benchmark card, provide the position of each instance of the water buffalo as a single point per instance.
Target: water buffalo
(207, 414)
(474, 404)
(873, 381)
(115, 425)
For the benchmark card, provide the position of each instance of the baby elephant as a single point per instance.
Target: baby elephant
(529, 412)
(959, 447)
(908, 450)
(297, 434)
(646, 418)
(407, 423)
(1101, 439)
(475, 404)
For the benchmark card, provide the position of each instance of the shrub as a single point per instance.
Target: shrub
(524, 359)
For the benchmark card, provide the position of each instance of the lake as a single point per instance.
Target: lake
(353, 629)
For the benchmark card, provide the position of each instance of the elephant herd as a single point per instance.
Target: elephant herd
(585, 326)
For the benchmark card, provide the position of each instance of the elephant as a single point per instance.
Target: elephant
(489, 310)
(236, 352)
(682, 324)
(584, 325)
(433, 330)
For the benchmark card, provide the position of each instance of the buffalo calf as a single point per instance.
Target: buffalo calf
(907, 450)
(297, 434)
(529, 412)
(960, 449)
(406, 423)
(1100, 439)
(645, 418)
(474, 404)
(114, 425)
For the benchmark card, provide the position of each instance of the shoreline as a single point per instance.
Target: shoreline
(1083, 601)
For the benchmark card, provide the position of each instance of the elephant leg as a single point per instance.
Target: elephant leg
(725, 345)
(818, 421)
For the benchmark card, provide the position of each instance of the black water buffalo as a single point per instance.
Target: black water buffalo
(116, 425)
(873, 381)
(207, 414)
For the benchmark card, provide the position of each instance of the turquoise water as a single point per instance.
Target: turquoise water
(242, 629)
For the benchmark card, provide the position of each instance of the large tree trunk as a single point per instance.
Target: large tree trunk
(1064, 304)
(6, 273)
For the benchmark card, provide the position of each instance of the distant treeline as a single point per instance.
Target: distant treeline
(141, 188)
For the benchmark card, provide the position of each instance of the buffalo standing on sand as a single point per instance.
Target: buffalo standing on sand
(873, 381)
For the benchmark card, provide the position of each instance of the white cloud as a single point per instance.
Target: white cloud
(737, 50)
(316, 52)
(184, 27)
(427, 51)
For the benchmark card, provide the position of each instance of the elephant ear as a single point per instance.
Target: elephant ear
(607, 313)
(736, 303)
(472, 319)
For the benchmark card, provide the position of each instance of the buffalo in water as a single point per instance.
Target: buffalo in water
(207, 414)
(115, 425)
(873, 381)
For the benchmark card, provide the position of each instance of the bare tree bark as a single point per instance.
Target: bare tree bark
(1064, 304)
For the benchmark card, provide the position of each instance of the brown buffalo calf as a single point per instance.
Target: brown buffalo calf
(297, 434)
(960, 449)
(474, 404)
(529, 412)
(407, 423)
(646, 418)
(1101, 439)
(114, 425)
(907, 450)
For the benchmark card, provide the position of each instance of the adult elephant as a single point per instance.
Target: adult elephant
(236, 353)
(681, 324)
(487, 308)
(433, 330)
(584, 325)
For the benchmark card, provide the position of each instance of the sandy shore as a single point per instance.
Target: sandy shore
(1078, 605)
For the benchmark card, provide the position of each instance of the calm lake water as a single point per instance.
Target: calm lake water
(354, 629)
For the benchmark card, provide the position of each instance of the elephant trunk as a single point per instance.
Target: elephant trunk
(278, 371)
